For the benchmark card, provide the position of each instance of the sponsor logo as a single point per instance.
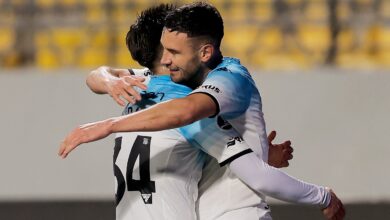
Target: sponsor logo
(223, 124)
(232, 141)
(211, 87)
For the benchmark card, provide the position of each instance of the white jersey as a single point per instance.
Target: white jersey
(157, 173)
(222, 194)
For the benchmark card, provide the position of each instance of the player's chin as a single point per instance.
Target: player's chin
(176, 76)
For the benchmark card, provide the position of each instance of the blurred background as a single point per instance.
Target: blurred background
(322, 66)
(279, 34)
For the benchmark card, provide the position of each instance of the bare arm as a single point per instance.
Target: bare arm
(97, 79)
(115, 82)
(171, 114)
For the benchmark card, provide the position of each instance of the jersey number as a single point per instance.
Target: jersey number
(141, 150)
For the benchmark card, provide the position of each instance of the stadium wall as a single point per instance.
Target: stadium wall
(337, 121)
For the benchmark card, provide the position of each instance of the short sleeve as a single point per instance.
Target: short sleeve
(231, 92)
(216, 137)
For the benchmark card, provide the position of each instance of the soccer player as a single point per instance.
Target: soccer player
(191, 41)
(169, 167)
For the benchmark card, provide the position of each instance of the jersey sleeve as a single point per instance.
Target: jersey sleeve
(217, 138)
(230, 90)
(275, 183)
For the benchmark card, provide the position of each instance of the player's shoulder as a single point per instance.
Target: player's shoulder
(145, 72)
(230, 68)
(162, 84)
(229, 74)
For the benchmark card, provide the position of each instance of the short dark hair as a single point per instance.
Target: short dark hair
(196, 20)
(143, 38)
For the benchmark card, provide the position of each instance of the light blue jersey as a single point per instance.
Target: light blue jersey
(207, 134)
(166, 185)
(222, 195)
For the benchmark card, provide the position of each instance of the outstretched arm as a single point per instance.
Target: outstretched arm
(166, 115)
(118, 83)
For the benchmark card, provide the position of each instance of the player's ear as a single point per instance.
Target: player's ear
(206, 52)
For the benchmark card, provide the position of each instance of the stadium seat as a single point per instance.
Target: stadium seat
(345, 40)
(123, 59)
(7, 38)
(60, 46)
(42, 38)
(45, 4)
(261, 11)
(233, 11)
(314, 37)
(92, 57)
(69, 3)
(94, 3)
(69, 37)
(384, 37)
(252, 32)
(120, 37)
(124, 16)
(95, 14)
(384, 46)
(269, 39)
(384, 58)
(357, 59)
(98, 38)
(46, 58)
(240, 37)
(316, 11)
(281, 61)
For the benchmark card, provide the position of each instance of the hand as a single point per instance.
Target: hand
(335, 210)
(279, 154)
(84, 134)
(122, 86)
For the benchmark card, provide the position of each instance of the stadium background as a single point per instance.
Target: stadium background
(322, 66)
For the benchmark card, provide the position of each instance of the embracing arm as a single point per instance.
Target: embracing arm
(115, 82)
(166, 115)
(273, 182)
(170, 114)
(98, 78)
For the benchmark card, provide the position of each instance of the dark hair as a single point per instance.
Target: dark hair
(143, 38)
(196, 20)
